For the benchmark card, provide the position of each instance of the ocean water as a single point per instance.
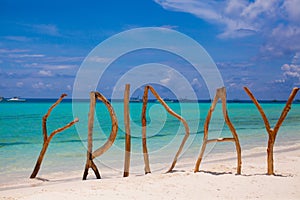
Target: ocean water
(21, 134)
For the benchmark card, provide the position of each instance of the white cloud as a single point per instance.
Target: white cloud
(292, 10)
(291, 72)
(227, 14)
(59, 66)
(69, 87)
(60, 59)
(196, 83)
(276, 21)
(280, 81)
(50, 66)
(234, 15)
(26, 55)
(45, 73)
(235, 7)
(165, 81)
(41, 85)
(199, 8)
(285, 38)
(99, 59)
(18, 38)
(170, 77)
(13, 50)
(258, 8)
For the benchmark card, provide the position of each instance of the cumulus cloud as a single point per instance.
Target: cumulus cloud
(276, 21)
(291, 72)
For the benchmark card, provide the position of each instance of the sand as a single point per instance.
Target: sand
(216, 180)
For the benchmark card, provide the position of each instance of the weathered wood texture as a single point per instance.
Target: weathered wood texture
(272, 132)
(220, 94)
(144, 128)
(47, 138)
(144, 124)
(127, 131)
(90, 154)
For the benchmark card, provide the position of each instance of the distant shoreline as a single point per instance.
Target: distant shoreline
(50, 100)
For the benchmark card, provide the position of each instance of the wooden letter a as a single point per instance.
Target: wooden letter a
(221, 94)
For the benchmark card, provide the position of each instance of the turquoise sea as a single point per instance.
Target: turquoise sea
(21, 134)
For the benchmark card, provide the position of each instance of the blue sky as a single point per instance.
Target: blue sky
(254, 43)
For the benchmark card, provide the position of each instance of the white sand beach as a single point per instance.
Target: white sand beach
(216, 180)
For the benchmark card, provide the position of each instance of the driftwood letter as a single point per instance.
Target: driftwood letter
(221, 94)
(144, 124)
(273, 132)
(47, 138)
(90, 154)
(127, 131)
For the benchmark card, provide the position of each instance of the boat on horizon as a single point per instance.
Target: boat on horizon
(16, 99)
(168, 100)
(135, 99)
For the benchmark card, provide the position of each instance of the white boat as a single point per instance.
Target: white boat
(16, 99)
(135, 99)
